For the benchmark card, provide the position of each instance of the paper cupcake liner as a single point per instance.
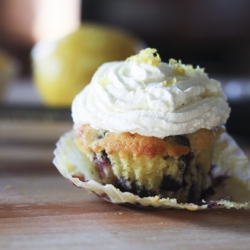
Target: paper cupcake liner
(229, 164)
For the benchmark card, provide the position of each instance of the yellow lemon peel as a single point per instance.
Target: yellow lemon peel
(148, 56)
(167, 83)
(104, 81)
(181, 69)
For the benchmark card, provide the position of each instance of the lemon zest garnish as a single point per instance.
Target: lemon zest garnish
(172, 61)
(167, 83)
(104, 81)
(148, 56)
(181, 69)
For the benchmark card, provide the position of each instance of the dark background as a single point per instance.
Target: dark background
(213, 34)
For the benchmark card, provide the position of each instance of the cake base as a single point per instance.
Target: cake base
(228, 161)
(173, 167)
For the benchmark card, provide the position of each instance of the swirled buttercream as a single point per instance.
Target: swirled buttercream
(146, 96)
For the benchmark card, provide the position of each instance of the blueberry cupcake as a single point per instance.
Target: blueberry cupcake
(148, 127)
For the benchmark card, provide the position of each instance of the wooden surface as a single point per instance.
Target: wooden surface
(39, 209)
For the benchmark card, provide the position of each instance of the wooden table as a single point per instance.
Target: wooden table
(39, 209)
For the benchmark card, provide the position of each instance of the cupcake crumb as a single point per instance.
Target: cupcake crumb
(156, 198)
(8, 187)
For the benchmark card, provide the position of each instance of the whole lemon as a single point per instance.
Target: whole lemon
(61, 69)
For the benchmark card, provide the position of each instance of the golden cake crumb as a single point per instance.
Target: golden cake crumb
(142, 145)
(129, 143)
(8, 187)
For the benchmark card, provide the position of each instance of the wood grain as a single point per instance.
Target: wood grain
(39, 209)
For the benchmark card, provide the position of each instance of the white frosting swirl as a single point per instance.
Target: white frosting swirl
(133, 97)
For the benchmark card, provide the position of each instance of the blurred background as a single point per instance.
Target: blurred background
(50, 48)
(211, 33)
(214, 33)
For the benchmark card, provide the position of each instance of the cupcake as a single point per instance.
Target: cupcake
(150, 133)
(148, 127)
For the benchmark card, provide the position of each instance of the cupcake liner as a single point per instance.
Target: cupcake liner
(230, 177)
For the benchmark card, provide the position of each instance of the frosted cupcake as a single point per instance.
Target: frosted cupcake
(148, 127)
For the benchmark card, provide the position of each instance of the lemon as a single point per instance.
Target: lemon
(63, 68)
